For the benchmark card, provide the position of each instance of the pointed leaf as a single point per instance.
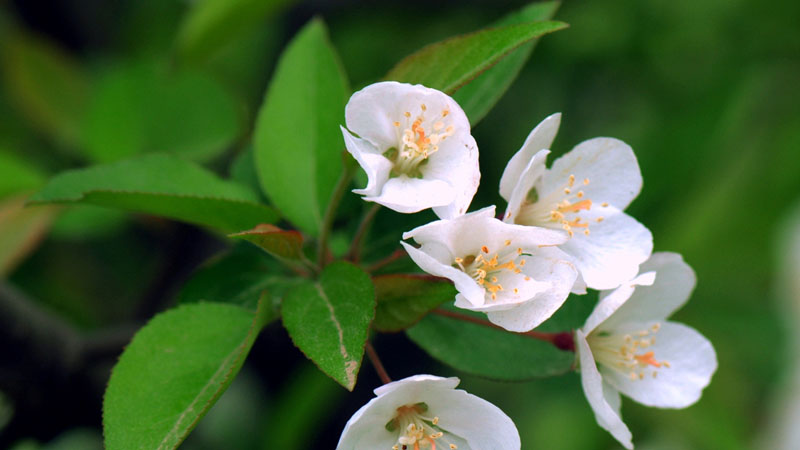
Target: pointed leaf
(298, 145)
(173, 372)
(479, 95)
(160, 185)
(404, 299)
(450, 64)
(284, 244)
(488, 352)
(16, 174)
(328, 320)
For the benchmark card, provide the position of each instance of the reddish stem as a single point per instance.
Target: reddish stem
(396, 255)
(376, 363)
(562, 340)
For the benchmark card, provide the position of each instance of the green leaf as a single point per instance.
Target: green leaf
(283, 244)
(328, 320)
(454, 62)
(488, 352)
(298, 144)
(239, 277)
(17, 175)
(21, 230)
(46, 84)
(145, 108)
(479, 95)
(173, 371)
(210, 24)
(404, 299)
(162, 185)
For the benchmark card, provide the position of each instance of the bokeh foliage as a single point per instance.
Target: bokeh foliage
(703, 90)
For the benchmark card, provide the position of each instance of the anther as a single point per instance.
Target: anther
(585, 181)
(604, 204)
(485, 249)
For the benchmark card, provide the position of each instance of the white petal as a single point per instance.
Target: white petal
(541, 137)
(549, 266)
(372, 111)
(674, 283)
(612, 252)
(374, 164)
(527, 180)
(457, 164)
(367, 428)
(480, 423)
(606, 415)
(463, 283)
(610, 166)
(692, 362)
(410, 195)
(611, 301)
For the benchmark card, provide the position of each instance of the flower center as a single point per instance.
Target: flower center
(485, 269)
(628, 352)
(417, 431)
(561, 208)
(418, 138)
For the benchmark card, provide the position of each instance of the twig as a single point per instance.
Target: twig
(376, 363)
(562, 340)
(330, 212)
(396, 255)
(354, 254)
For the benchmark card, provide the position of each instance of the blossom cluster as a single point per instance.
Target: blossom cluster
(564, 230)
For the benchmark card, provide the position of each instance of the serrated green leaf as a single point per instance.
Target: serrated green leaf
(46, 84)
(210, 24)
(404, 299)
(488, 352)
(328, 320)
(283, 244)
(479, 95)
(239, 277)
(173, 371)
(161, 185)
(298, 144)
(450, 64)
(145, 108)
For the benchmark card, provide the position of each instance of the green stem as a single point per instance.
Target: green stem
(354, 254)
(345, 177)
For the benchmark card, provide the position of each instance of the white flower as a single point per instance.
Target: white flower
(583, 194)
(415, 145)
(427, 412)
(627, 346)
(497, 268)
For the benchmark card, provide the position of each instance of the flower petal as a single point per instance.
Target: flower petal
(372, 111)
(606, 415)
(456, 162)
(480, 423)
(611, 254)
(410, 195)
(611, 301)
(549, 265)
(674, 283)
(464, 284)
(367, 427)
(609, 164)
(527, 180)
(541, 137)
(692, 362)
(374, 164)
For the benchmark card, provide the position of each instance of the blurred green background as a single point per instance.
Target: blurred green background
(707, 93)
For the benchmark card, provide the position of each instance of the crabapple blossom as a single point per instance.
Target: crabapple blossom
(626, 346)
(426, 412)
(513, 273)
(583, 195)
(414, 144)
